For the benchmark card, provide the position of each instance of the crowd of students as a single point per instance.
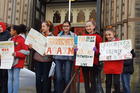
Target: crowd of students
(117, 72)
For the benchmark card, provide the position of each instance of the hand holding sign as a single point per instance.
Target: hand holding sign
(95, 49)
(75, 48)
(30, 46)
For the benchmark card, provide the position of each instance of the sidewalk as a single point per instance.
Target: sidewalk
(27, 81)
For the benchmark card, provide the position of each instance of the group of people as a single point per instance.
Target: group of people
(10, 78)
(117, 72)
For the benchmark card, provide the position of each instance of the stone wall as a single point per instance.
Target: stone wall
(16, 11)
(137, 29)
(136, 86)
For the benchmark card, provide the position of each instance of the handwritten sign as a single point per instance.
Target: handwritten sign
(60, 46)
(37, 40)
(6, 51)
(116, 50)
(85, 53)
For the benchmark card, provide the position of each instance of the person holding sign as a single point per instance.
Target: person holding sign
(63, 63)
(128, 70)
(4, 36)
(91, 75)
(43, 63)
(21, 51)
(112, 69)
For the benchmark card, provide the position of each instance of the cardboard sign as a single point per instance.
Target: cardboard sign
(116, 50)
(37, 40)
(6, 51)
(85, 53)
(60, 46)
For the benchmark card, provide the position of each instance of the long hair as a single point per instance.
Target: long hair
(49, 24)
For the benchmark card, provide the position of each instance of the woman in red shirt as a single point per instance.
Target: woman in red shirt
(92, 74)
(112, 69)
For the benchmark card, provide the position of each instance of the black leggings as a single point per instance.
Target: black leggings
(116, 82)
(92, 79)
(3, 80)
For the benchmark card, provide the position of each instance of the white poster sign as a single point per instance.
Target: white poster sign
(37, 40)
(60, 46)
(116, 50)
(6, 52)
(85, 53)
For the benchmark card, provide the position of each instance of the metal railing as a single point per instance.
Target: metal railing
(76, 75)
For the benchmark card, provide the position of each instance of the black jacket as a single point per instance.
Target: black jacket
(128, 64)
(4, 36)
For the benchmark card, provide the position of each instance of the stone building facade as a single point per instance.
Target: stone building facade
(16, 11)
(124, 17)
(80, 13)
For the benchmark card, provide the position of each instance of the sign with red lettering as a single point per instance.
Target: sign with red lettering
(6, 51)
(60, 46)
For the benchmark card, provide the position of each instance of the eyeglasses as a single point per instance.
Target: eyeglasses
(66, 26)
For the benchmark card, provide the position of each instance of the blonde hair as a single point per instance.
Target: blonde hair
(93, 22)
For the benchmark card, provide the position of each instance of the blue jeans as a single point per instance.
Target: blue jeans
(125, 78)
(13, 80)
(63, 74)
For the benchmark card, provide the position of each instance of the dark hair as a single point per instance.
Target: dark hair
(66, 21)
(23, 28)
(49, 24)
(17, 28)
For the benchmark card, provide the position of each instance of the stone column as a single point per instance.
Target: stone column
(62, 14)
(74, 16)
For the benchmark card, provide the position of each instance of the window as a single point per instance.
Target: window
(81, 17)
(66, 17)
(56, 17)
(92, 15)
